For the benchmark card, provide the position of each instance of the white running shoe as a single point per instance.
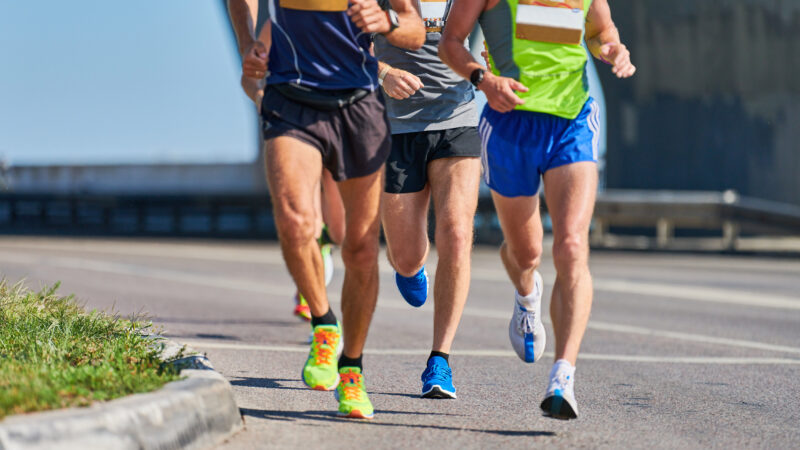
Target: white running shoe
(559, 401)
(327, 262)
(525, 331)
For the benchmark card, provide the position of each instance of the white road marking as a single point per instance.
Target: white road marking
(670, 291)
(200, 345)
(288, 289)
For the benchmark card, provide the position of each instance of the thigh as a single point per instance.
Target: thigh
(286, 157)
(405, 217)
(571, 190)
(454, 185)
(361, 198)
(520, 220)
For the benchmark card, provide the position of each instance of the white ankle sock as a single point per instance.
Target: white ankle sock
(527, 301)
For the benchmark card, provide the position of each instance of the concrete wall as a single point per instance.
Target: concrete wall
(715, 103)
(137, 179)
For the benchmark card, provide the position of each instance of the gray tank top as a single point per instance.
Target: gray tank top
(446, 100)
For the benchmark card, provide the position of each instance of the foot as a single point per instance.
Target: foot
(301, 309)
(352, 395)
(414, 288)
(437, 379)
(559, 401)
(525, 330)
(320, 372)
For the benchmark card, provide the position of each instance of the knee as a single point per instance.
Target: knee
(453, 240)
(526, 257)
(570, 254)
(407, 261)
(294, 227)
(360, 253)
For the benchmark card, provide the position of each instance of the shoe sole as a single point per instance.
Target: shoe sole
(558, 408)
(355, 414)
(319, 387)
(438, 392)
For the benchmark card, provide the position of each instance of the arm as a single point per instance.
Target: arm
(499, 90)
(369, 16)
(243, 15)
(254, 87)
(252, 50)
(398, 83)
(602, 40)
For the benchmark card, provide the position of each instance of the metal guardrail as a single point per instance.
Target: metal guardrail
(250, 216)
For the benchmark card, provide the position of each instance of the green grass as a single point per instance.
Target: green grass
(53, 354)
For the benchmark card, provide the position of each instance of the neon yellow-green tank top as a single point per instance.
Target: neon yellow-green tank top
(538, 43)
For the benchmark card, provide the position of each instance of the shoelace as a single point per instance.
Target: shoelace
(324, 345)
(527, 321)
(351, 385)
(561, 381)
(438, 372)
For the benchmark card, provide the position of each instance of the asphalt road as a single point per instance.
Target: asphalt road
(684, 351)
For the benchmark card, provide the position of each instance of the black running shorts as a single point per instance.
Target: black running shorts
(354, 140)
(407, 166)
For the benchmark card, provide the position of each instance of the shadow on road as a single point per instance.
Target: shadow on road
(266, 383)
(265, 322)
(330, 416)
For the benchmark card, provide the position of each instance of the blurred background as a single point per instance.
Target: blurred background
(128, 119)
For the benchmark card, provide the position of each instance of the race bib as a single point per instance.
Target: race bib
(558, 22)
(315, 5)
(432, 12)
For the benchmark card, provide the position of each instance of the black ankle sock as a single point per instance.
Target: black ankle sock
(446, 356)
(328, 319)
(344, 361)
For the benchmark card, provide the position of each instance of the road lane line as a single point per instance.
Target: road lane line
(288, 289)
(200, 345)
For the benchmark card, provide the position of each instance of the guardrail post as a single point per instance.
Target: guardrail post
(664, 232)
(730, 233)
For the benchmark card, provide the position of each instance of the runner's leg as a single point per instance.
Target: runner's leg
(571, 191)
(454, 185)
(405, 226)
(295, 216)
(361, 199)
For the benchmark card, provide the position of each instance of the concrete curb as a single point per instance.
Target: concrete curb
(196, 412)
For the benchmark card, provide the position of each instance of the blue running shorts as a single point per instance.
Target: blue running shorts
(520, 146)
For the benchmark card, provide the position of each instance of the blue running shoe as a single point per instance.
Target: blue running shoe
(414, 288)
(437, 379)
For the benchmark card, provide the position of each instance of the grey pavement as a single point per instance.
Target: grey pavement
(682, 350)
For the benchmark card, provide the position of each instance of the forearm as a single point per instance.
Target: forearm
(609, 35)
(411, 32)
(243, 14)
(453, 53)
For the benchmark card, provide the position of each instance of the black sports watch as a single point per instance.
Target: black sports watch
(476, 77)
(394, 21)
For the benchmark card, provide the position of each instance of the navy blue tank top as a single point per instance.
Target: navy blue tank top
(320, 49)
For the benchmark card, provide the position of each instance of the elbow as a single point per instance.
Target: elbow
(418, 41)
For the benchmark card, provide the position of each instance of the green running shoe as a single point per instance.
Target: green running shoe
(352, 396)
(320, 371)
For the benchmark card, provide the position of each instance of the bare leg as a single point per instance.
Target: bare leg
(454, 185)
(293, 200)
(332, 208)
(361, 198)
(405, 226)
(521, 251)
(571, 192)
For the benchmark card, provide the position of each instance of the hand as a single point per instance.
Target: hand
(500, 92)
(368, 16)
(400, 84)
(619, 57)
(254, 61)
